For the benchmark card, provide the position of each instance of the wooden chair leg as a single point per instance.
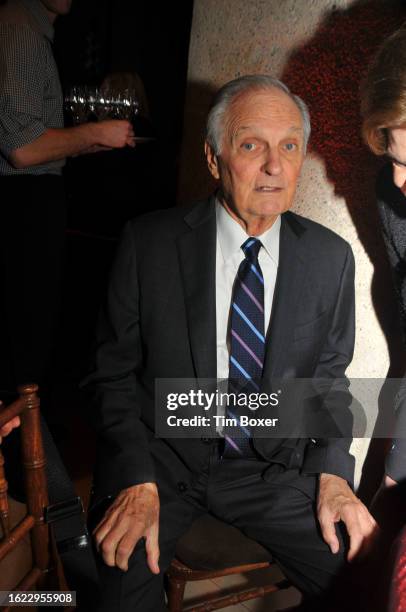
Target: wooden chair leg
(35, 476)
(176, 591)
(4, 516)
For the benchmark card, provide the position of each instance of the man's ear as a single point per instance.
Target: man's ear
(212, 161)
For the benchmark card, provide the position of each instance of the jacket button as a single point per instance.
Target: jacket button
(182, 487)
(206, 440)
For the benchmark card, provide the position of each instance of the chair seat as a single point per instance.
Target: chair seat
(211, 544)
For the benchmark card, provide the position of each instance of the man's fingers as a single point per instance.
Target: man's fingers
(356, 541)
(116, 537)
(356, 544)
(103, 527)
(108, 538)
(126, 546)
(8, 427)
(125, 522)
(118, 545)
(152, 548)
(328, 531)
(361, 527)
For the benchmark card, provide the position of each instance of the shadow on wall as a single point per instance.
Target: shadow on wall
(326, 72)
(195, 180)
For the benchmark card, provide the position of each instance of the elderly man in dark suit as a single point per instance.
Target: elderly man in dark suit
(234, 287)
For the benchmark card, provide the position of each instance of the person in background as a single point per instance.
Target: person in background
(34, 145)
(383, 107)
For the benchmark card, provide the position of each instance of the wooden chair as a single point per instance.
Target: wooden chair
(33, 460)
(213, 549)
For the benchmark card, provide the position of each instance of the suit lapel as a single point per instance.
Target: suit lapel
(197, 255)
(289, 284)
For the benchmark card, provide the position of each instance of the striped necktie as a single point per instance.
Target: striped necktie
(247, 342)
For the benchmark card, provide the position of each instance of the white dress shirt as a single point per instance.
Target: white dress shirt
(229, 255)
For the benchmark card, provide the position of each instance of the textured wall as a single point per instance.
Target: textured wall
(320, 48)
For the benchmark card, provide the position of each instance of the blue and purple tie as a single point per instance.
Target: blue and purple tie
(247, 343)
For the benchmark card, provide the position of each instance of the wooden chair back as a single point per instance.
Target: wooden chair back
(33, 464)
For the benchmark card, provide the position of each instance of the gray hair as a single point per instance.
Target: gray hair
(229, 91)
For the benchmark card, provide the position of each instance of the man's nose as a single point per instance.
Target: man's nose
(399, 177)
(272, 163)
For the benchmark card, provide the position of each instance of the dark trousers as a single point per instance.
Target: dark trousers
(275, 508)
(32, 234)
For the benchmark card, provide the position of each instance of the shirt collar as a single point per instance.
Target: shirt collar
(231, 235)
(37, 10)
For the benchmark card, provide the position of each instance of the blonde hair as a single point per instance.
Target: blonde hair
(383, 92)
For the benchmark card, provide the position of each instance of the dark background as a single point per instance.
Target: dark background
(104, 190)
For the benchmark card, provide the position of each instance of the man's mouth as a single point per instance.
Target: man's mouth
(268, 189)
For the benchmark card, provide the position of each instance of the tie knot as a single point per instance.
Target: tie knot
(251, 248)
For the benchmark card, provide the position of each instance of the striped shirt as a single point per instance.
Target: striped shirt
(31, 98)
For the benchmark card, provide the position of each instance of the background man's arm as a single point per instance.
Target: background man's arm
(56, 144)
(25, 139)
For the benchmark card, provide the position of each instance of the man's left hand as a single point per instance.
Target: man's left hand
(337, 502)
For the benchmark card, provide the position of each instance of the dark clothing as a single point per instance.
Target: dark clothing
(32, 235)
(33, 211)
(31, 98)
(275, 508)
(392, 211)
(160, 322)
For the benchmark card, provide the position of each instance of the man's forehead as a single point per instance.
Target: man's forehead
(292, 130)
(251, 107)
(256, 111)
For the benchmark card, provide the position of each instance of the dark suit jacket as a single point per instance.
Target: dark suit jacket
(160, 321)
(392, 211)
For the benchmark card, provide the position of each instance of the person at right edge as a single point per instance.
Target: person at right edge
(383, 107)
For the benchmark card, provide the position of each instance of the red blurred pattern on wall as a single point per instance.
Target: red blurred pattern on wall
(326, 72)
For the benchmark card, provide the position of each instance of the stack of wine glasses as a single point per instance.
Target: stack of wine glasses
(86, 103)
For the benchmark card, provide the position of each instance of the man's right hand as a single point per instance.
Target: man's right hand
(134, 514)
(114, 133)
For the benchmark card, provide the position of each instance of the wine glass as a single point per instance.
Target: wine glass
(104, 103)
(92, 97)
(75, 103)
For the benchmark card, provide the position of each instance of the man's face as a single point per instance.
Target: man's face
(57, 7)
(397, 154)
(261, 157)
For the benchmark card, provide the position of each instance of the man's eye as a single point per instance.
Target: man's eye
(248, 146)
(290, 146)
